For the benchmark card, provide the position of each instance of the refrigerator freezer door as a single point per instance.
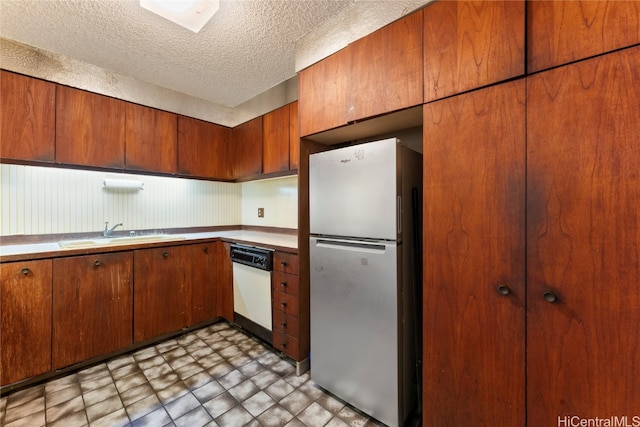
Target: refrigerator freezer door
(353, 191)
(354, 324)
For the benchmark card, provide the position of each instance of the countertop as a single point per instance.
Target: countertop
(281, 241)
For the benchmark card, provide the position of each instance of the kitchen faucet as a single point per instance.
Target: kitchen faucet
(108, 231)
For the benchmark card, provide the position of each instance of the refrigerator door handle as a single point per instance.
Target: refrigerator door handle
(351, 246)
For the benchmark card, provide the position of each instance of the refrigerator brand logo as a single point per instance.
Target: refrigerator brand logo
(345, 161)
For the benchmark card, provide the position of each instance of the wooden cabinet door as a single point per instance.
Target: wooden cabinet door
(474, 249)
(559, 32)
(247, 149)
(162, 291)
(583, 239)
(471, 44)
(322, 93)
(275, 140)
(151, 139)
(203, 149)
(386, 70)
(89, 128)
(27, 114)
(92, 306)
(25, 314)
(224, 281)
(294, 137)
(203, 282)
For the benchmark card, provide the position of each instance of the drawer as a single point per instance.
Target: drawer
(286, 262)
(286, 344)
(287, 283)
(285, 323)
(285, 302)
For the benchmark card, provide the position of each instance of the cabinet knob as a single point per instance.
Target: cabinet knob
(550, 297)
(504, 289)
(283, 303)
(283, 344)
(96, 263)
(206, 250)
(165, 254)
(283, 324)
(283, 284)
(25, 271)
(283, 263)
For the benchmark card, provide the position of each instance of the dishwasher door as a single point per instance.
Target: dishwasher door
(252, 294)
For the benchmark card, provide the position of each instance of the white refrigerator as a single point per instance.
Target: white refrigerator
(363, 276)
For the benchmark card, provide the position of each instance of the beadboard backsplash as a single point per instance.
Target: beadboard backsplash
(42, 200)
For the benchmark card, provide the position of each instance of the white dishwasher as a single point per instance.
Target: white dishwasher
(252, 267)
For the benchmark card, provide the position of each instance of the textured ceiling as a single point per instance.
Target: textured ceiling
(246, 48)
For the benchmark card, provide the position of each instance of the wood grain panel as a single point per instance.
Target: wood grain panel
(275, 140)
(25, 314)
(162, 293)
(583, 239)
(204, 149)
(386, 70)
(471, 44)
(92, 306)
(322, 93)
(224, 281)
(294, 137)
(203, 282)
(559, 32)
(247, 149)
(27, 118)
(89, 128)
(151, 139)
(473, 336)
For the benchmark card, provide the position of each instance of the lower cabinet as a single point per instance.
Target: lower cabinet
(203, 278)
(92, 306)
(224, 281)
(25, 320)
(288, 307)
(162, 293)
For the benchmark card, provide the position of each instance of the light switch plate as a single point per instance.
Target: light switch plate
(260, 212)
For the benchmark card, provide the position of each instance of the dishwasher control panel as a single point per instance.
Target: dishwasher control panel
(252, 256)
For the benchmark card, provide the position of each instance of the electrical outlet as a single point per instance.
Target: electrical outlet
(260, 212)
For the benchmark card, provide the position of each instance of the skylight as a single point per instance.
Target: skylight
(190, 14)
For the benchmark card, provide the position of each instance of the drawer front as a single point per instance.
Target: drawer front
(286, 262)
(285, 302)
(285, 323)
(286, 344)
(287, 283)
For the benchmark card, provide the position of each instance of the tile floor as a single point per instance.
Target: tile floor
(216, 376)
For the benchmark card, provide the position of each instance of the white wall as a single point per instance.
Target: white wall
(278, 197)
(41, 200)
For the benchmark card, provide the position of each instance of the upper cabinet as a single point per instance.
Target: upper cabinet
(151, 139)
(247, 148)
(203, 149)
(386, 69)
(377, 74)
(294, 137)
(559, 32)
(275, 140)
(89, 129)
(322, 93)
(27, 118)
(470, 44)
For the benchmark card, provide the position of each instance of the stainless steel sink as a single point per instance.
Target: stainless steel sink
(116, 241)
